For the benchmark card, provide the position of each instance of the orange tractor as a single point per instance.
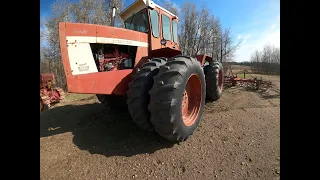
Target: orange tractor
(141, 67)
(49, 94)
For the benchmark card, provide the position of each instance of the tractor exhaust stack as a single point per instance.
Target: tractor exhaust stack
(113, 16)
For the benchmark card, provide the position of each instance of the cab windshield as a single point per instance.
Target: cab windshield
(138, 22)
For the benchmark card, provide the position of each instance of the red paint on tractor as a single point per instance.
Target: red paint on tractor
(164, 52)
(119, 33)
(110, 79)
(113, 47)
(202, 58)
(109, 82)
(192, 99)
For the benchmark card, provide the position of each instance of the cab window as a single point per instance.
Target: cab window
(154, 22)
(175, 31)
(166, 27)
(138, 22)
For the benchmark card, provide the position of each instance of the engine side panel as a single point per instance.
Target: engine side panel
(81, 65)
(81, 59)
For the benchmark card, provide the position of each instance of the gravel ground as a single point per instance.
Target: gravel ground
(238, 138)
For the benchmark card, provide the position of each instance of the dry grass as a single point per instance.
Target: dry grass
(237, 68)
(75, 97)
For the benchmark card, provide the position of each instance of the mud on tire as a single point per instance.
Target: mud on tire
(138, 93)
(214, 80)
(167, 98)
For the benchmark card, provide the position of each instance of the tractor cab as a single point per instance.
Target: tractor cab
(147, 17)
(90, 52)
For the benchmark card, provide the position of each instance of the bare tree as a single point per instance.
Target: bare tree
(189, 29)
(266, 61)
(255, 61)
(204, 37)
(227, 45)
(215, 36)
(199, 30)
(170, 6)
(95, 11)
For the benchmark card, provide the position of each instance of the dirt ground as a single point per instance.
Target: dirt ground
(238, 138)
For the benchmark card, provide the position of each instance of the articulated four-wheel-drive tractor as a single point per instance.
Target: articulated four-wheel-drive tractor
(142, 66)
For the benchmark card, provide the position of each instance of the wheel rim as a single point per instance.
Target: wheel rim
(192, 99)
(220, 82)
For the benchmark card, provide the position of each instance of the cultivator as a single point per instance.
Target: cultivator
(48, 94)
(231, 79)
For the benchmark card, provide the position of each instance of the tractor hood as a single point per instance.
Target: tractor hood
(91, 33)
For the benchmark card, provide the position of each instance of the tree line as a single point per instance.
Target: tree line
(199, 30)
(266, 61)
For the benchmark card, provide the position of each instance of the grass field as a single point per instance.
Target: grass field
(76, 97)
(237, 68)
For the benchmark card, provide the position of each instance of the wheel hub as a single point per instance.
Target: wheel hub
(191, 100)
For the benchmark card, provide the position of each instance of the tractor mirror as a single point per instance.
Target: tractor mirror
(163, 42)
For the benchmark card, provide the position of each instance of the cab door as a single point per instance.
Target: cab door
(155, 35)
(166, 31)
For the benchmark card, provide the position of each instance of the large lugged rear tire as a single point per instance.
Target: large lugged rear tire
(214, 80)
(138, 93)
(177, 98)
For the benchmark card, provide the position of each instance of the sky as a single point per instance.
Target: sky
(255, 22)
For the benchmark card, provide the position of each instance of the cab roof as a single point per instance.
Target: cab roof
(139, 5)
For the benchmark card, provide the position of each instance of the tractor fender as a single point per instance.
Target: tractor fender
(164, 52)
(203, 58)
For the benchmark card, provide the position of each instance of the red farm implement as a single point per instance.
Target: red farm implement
(232, 79)
(49, 94)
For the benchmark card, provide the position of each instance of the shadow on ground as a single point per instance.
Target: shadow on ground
(100, 130)
(272, 96)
